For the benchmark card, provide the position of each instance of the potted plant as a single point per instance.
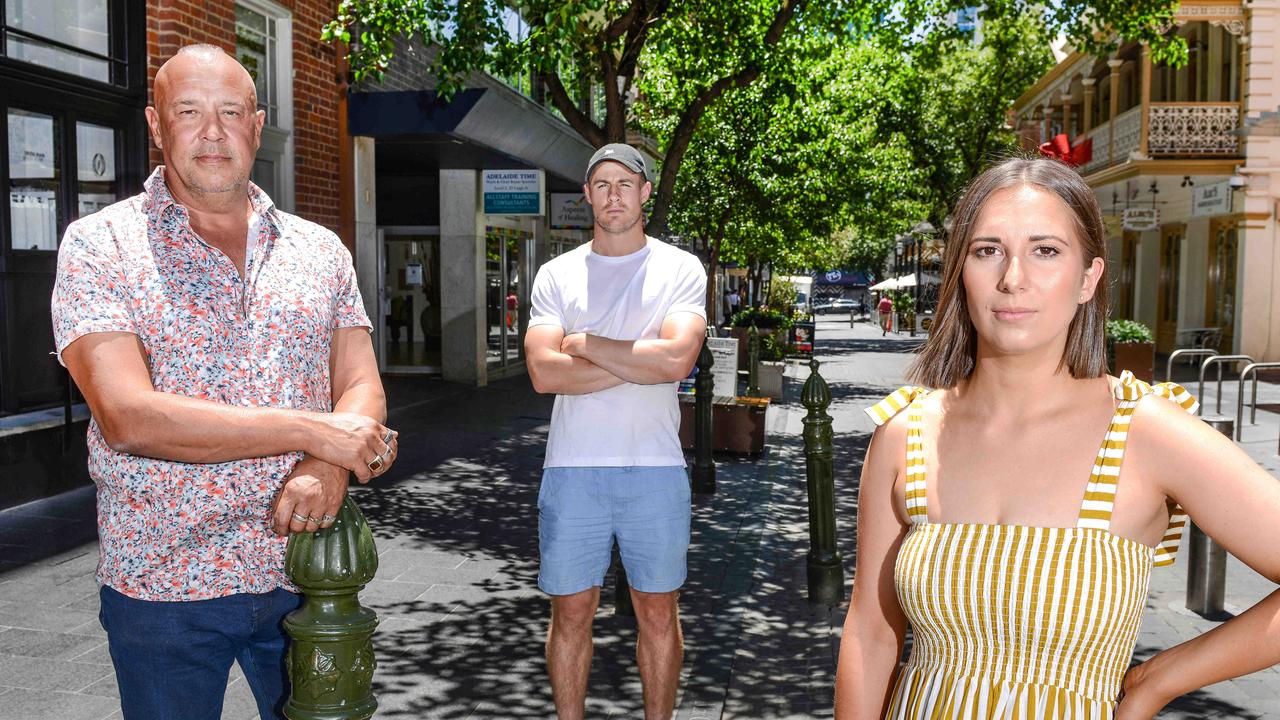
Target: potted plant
(772, 366)
(1130, 346)
(766, 322)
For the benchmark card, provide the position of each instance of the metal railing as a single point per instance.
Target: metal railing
(1184, 352)
(1216, 360)
(1253, 403)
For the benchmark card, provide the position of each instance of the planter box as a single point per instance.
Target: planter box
(1137, 358)
(735, 427)
(770, 379)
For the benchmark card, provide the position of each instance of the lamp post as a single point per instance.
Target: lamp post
(919, 232)
(899, 249)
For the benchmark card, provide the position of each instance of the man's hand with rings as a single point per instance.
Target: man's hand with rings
(383, 461)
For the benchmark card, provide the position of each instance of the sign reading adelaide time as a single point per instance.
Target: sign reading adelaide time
(513, 192)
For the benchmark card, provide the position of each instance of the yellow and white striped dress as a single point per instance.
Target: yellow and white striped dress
(1013, 621)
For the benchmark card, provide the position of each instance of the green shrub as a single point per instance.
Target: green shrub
(762, 318)
(770, 349)
(1128, 331)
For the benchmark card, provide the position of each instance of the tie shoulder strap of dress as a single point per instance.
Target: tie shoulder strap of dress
(908, 396)
(1099, 500)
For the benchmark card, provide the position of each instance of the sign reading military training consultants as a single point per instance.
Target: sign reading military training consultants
(571, 211)
(513, 192)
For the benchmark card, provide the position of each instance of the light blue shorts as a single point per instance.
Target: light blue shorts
(582, 509)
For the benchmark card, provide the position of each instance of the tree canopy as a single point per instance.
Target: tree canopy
(577, 49)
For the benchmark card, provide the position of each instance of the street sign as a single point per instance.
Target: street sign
(1141, 219)
(571, 211)
(1208, 200)
(513, 192)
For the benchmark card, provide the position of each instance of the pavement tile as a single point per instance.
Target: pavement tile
(24, 704)
(42, 617)
(44, 644)
(45, 674)
(100, 654)
(106, 687)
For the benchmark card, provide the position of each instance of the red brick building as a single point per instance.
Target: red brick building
(74, 80)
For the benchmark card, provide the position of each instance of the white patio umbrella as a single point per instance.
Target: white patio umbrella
(886, 284)
(907, 281)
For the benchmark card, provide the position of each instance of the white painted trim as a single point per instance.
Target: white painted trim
(285, 157)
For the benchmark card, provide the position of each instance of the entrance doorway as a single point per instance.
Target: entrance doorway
(410, 291)
(1167, 297)
(1220, 294)
(506, 294)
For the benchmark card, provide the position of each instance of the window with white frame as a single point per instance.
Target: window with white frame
(264, 48)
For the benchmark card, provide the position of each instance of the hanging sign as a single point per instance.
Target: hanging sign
(571, 211)
(1207, 200)
(1141, 219)
(513, 192)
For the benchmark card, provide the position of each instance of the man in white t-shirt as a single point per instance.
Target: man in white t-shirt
(614, 325)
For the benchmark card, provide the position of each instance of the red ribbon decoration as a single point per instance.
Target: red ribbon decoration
(1059, 148)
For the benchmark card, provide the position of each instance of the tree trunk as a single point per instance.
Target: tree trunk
(713, 264)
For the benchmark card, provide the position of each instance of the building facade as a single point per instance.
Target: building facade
(1184, 162)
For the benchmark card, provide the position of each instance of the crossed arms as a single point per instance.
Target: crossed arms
(578, 363)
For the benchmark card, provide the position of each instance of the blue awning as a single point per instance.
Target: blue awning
(842, 278)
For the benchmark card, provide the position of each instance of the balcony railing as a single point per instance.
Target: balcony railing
(1193, 129)
(1174, 129)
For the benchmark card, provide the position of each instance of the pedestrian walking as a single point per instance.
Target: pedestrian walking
(735, 302)
(614, 325)
(1022, 573)
(885, 307)
(224, 351)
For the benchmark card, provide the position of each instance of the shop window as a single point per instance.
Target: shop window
(34, 157)
(73, 36)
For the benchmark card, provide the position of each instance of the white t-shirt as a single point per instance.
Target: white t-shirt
(623, 298)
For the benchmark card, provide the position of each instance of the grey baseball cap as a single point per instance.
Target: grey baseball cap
(619, 153)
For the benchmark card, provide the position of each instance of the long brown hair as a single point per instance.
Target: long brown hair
(948, 356)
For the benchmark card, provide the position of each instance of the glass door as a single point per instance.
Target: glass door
(506, 298)
(411, 334)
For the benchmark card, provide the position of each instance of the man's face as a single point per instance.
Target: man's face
(616, 195)
(206, 123)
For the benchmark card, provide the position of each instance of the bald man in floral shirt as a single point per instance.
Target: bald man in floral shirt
(224, 351)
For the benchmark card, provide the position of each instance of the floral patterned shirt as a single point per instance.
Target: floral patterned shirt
(179, 531)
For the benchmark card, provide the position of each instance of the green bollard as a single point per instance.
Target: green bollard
(622, 605)
(826, 567)
(753, 362)
(704, 465)
(331, 658)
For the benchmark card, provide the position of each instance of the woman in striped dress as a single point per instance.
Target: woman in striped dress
(1012, 515)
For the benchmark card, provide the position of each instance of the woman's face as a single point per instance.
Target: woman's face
(1025, 273)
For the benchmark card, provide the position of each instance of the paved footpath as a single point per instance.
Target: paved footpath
(462, 621)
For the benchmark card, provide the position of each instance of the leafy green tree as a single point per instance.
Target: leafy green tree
(708, 47)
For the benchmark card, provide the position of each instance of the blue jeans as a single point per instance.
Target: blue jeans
(172, 659)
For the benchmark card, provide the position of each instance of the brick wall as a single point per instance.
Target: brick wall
(316, 92)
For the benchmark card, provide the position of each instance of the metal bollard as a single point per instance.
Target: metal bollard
(330, 660)
(753, 362)
(1207, 573)
(703, 475)
(622, 604)
(826, 567)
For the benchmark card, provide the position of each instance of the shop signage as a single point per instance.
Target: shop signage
(95, 153)
(1141, 219)
(1207, 200)
(724, 366)
(513, 192)
(30, 147)
(571, 211)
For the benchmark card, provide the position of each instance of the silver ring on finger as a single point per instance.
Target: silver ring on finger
(386, 440)
(301, 518)
(327, 519)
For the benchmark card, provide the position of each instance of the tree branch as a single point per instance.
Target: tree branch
(577, 119)
(689, 119)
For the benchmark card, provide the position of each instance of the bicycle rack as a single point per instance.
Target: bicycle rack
(1184, 352)
(1215, 360)
(1253, 403)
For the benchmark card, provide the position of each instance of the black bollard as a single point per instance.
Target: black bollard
(1207, 560)
(826, 567)
(622, 604)
(753, 362)
(704, 466)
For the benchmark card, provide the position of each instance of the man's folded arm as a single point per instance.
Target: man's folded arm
(667, 358)
(110, 368)
(554, 372)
